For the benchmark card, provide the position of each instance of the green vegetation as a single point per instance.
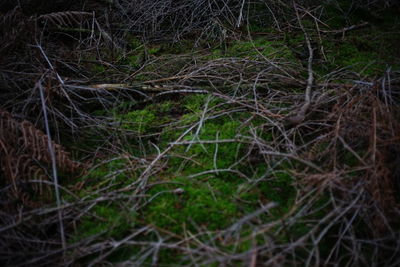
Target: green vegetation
(202, 205)
(188, 200)
(205, 187)
(254, 49)
(105, 219)
(197, 141)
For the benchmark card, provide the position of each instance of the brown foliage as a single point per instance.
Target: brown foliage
(24, 155)
(366, 126)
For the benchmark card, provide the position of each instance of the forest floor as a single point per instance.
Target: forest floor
(210, 171)
(262, 148)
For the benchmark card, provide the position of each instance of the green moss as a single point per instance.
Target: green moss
(194, 103)
(366, 51)
(209, 202)
(254, 49)
(140, 51)
(213, 192)
(99, 68)
(107, 174)
(139, 121)
(182, 47)
(105, 219)
(165, 106)
(203, 204)
(141, 77)
(136, 59)
(335, 14)
(214, 203)
(215, 200)
(215, 54)
(148, 119)
(294, 40)
(134, 42)
(259, 46)
(348, 55)
(225, 153)
(279, 189)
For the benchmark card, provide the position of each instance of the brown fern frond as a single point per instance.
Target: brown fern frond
(12, 24)
(367, 125)
(65, 18)
(24, 151)
(36, 142)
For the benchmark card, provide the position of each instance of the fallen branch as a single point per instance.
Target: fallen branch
(301, 115)
(347, 29)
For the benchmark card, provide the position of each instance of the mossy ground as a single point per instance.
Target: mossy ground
(207, 187)
(212, 193)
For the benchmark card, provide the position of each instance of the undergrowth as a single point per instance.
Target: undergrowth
(192, 156)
